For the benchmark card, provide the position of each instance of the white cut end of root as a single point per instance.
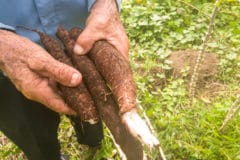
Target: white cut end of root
(139, 129)
(92, 121)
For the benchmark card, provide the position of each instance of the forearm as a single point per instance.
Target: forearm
(3, 46)
(105, 2)
(104, 6)
(10, 46)
(107, 9)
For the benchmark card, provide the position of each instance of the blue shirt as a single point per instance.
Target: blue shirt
(44, 15)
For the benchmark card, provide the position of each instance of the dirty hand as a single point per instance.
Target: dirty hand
(33, 71)
(103, 23)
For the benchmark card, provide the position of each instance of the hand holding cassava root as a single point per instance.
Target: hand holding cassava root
(126, 97)
(78, 98)
(115, 69)
(117, 73)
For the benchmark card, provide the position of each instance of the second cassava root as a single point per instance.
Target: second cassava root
(76, 97)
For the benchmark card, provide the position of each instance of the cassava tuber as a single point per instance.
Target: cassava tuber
(103, 99)
(117, 73)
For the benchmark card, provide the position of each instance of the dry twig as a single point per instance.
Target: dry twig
(231, 113)
(148, 122)
(200, 57)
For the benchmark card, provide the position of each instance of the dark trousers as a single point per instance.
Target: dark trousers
(28, 124)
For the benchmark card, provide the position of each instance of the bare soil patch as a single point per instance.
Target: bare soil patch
(183, 63)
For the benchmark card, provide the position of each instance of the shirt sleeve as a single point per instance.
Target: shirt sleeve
(91, 2)
(7, 27)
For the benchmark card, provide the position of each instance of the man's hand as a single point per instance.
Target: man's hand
(103, 23)
(34, 72)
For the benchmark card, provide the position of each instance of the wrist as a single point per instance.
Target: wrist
(6, 38)
(107, 3)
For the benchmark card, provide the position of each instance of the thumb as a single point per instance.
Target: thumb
(60, 72)
(85, 41)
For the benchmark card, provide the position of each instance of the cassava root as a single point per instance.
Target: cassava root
(103, 99)
(117, 73)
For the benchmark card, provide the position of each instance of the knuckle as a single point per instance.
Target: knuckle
(63, 74)
(37, 61)
(34, 62)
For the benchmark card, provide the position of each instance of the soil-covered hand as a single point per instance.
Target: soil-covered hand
(34, 72)
(103, 23)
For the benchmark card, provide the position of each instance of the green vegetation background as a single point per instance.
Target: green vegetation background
(156, 28)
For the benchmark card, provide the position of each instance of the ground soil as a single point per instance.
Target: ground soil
(183, 63)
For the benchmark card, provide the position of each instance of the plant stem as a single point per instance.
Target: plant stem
(200, 57)
(231, 113)
(195, 8)
(120, 152)
(148, 122)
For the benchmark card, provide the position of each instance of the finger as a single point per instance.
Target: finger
(39, 90)
(47, 66)
(86, 40)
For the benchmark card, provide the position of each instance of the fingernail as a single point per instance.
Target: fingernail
(75, 78)
(78, 50)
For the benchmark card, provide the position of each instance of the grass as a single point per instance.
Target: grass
(155, 29)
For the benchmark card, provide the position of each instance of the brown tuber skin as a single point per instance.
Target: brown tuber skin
(115, 70)
(117, 73)
(78, 98)
(103, 98)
